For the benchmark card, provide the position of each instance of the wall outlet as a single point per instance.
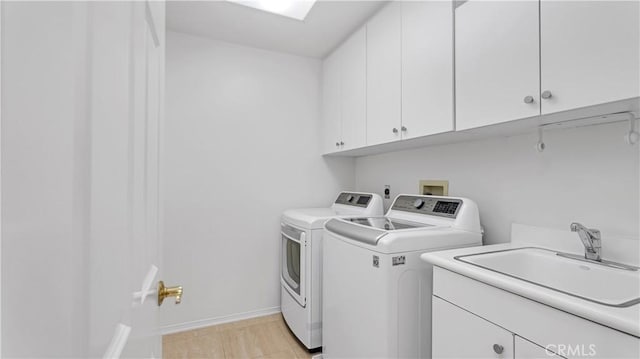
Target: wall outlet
(387, 191)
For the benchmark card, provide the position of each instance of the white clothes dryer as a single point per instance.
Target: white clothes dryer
(376, 290)
(301, 271)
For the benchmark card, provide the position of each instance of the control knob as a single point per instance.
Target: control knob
(350, 198)
(418, 203)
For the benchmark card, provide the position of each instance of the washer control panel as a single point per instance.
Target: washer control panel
(353, 199)
(428, 205)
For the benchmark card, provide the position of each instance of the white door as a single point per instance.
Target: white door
(80, 179)
(145, 136)
(353, 56)
(331, 104)
(384, 75)
(590, 52)
(460, 334)
(126, 67)
(497, 62)
(427, 68)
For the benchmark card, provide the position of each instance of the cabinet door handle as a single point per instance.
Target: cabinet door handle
(337, 144)
(498, 348)
(341, 143)
(403, 128)
(529, 99)
(395, 130)
(546, 95)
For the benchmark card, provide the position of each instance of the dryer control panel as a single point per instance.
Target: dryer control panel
(428, 205)
(353, 199)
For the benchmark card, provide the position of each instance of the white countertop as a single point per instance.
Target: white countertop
(624, 319)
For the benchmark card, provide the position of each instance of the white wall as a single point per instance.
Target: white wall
(586, 174)
(241, 146)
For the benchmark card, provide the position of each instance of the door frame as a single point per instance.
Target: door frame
(1, 6)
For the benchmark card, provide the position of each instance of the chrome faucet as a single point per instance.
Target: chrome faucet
(591, 240)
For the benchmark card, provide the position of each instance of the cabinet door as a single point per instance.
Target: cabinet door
(497, 62)
(384, 75)
(525, 349)
(459, 334)
(331, 104)
(590, 52)
(353, 54)
(427, 67)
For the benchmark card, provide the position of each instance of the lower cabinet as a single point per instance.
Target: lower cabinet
(458, 333)
(472, 319)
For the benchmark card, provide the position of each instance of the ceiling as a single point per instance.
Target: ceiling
(327, 25)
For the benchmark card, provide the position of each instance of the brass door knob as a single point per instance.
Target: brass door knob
(164, 292)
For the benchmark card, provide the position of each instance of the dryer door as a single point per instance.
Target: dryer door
(293, 262)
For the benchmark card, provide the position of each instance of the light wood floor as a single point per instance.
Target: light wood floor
(262, 337)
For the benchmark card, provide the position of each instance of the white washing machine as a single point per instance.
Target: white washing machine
(301, 273)
(376, 290)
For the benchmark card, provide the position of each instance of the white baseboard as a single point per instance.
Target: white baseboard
(181, 327)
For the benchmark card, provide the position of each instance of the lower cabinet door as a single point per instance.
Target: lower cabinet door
(460, 334)
(525, 349)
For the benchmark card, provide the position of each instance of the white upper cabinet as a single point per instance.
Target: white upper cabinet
(353, 55)
(520, 59)
(344, 95)
(419, 68)
(331, 104)
(384, 75)
(427, 68)
(590, 52)
(497, 62)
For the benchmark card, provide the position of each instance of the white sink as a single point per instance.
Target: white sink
(591, 281)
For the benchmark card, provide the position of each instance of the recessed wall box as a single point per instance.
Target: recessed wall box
(435, 188)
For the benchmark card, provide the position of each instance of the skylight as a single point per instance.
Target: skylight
(296, 9)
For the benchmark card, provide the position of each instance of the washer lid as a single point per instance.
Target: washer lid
(360, 233)
(386, 223)
(371, 230)
(308, 218)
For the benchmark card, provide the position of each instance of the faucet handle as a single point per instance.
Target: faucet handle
(575, 226)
